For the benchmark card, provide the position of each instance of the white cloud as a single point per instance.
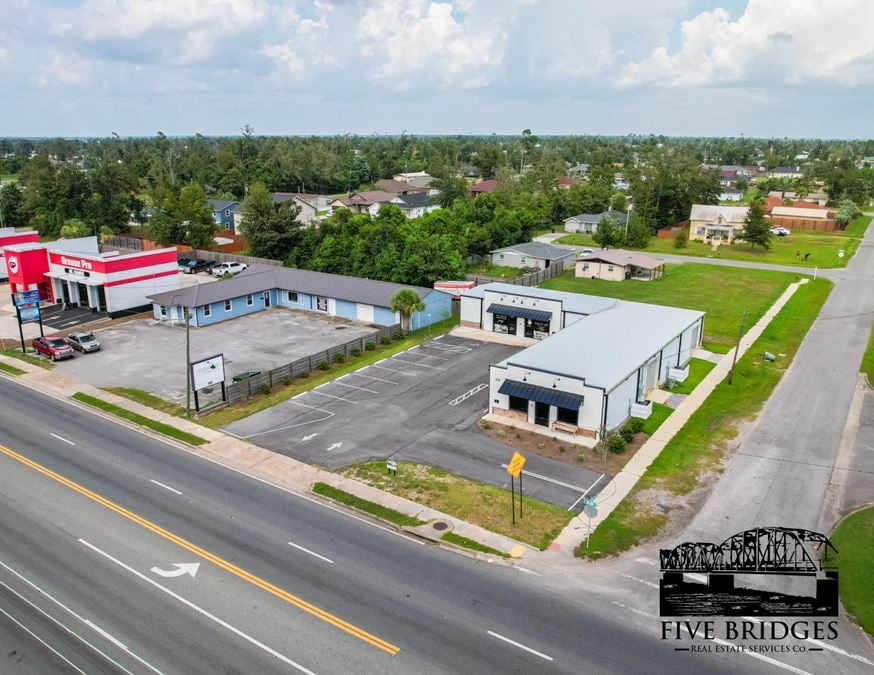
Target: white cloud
(410, 39)
(769, 43)
(63, 69)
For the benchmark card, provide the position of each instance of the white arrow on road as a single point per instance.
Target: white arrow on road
(310, 437)
(335, 446)
(181, 568)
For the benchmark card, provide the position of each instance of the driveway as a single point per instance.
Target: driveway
(421, 405)
(150, 355)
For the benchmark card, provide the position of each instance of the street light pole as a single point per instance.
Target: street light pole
(187, 362)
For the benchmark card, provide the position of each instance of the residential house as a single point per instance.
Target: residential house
(578, 170)
(865, 163)
(589, 222)
(618, 265)
(483, 187)
(396, 187)
(367, 201)
(819, 198)
(222, 212)
(419, 179)
(415, 204)
(803, 218)
(786, 172)
(532, 254)
(567, 182)
(716, 223)
(731, 195)
(263, 286)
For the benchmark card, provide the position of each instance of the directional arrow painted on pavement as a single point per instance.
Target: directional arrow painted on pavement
(335, 446)
(310, 437)
(181, 569)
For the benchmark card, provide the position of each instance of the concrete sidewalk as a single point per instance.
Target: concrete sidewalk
(271, 467)
(622, 484)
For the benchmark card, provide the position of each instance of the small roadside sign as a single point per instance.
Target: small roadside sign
(29, 314)
(517, 461)
(392, 466)
(26, 298)
(840, 253)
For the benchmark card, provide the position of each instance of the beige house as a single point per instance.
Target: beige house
(716, 224)
(618, 265)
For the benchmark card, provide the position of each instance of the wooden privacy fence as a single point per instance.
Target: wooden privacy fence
(530, 279)
(218, 256)
(240, 391)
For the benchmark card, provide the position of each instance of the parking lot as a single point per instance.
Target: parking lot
(421, 405)
(149, 355)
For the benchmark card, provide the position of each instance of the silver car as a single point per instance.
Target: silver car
(83, 342)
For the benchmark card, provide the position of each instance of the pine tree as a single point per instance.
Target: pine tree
(756, 231)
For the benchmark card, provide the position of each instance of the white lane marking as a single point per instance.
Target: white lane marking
(634, 609)
(520, 646)
(310, 437)
(393, 370)
(647, 561)
(824, 645)
(577, 488)
(328, 415)
(370, 377)
(413, 363)
(642, 581)
(181, 570)
(582, 496)
(438, 348)
(334, 446)
(312, 553)
(199, 610)
(352, 386)
(466, 395)
(97, 629)
(434, 356)
(525, 570)
(42, 642)
(166, 487)
(61, 438)
(339, 398)
(70, 612)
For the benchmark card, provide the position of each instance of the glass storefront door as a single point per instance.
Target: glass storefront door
(501, 323)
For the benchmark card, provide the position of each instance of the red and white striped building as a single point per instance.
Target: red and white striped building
(75, 272)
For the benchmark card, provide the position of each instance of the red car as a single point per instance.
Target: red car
(54, 347)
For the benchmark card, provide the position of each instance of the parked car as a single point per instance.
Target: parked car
(586, 251)
(183, 264)
(780, 231)
(228, 268)
(197, 265)
(55, 348)
(209, 265)
(83, 342)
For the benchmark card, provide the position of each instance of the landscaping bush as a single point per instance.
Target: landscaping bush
(581, 457)
(485, 425)
(616, 443)
(286, 381)
(384, 340)
(635, 424)
(627, 434)
(339, 358)
(355, 352)
(370, 346)
(265, 389)
(681, 239)
(324, 365)
(305, 373)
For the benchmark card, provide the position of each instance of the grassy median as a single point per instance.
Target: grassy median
(867, 365)
(374, 509)
(148, 399)
(854, 539)
(700, 446)
(28, 358)
(147, 422)
(484, 505)
(10, 369)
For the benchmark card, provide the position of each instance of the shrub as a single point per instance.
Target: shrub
(339, 358)
(615, 443)
(635, 424)
(384, 340)
(286, 381)
(501, 433)
(323, 365)
(305, 373)
(485, 425)
(681, 239)
(265, 389)
(581, 457)
(355, 352)
(370, 346)
(626, 433)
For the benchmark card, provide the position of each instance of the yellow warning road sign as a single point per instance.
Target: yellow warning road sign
(514, 468)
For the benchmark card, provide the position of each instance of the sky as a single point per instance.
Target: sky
(770, 68)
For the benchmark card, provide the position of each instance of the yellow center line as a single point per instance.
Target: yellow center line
(280, 593)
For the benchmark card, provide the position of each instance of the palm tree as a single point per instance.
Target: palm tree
(406, 301)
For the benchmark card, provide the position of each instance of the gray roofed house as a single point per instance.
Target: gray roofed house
(589, 222)
(415, 204)
(531, 254)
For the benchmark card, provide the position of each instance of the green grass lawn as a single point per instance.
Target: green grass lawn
(723, 292)
(698, 369)
(867, 365)
(699, 447)
(658, 415)
(489, 270)
(484, 505)
(148, 399)
(857, 228)
(854, 539)
(822, 246)
(30, 358)
(10, 369)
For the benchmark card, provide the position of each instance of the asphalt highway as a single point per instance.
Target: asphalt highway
(122, 553)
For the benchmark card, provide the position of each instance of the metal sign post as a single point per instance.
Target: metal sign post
(392, 467)
(27, 311)
(207, 373)
(514, 468)
(590, 508)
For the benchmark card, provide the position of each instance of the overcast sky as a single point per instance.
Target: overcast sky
(678, 67)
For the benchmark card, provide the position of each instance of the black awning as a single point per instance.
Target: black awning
(522, 312)
(532, 392)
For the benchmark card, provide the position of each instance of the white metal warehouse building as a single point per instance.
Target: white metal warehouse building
(594, 364)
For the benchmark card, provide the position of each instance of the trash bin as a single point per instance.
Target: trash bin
(246, 375)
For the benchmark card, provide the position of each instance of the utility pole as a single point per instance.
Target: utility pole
(740, 332)
(187, 362)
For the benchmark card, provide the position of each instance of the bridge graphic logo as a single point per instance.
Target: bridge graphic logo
(699, 579)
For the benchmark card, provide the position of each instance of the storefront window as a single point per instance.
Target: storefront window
(504, 324)
(568, 415)
(536, 329)
(519, 404)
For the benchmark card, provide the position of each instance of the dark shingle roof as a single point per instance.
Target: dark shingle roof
(536, 249)
(221, 204)
(596, 218)
(258, 278)
(415, 200)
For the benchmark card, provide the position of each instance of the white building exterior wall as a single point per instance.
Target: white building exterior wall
(541, 304)
(620, 399)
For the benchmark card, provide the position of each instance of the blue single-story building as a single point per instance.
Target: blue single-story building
(222, 212)
(261, 286)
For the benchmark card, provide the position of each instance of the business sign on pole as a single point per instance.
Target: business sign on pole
(29, 314)
(208, 372)
(26, 298)
(517, 461)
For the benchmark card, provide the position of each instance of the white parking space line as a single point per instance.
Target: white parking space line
(166, 487)
(413, 363)
(378, 379)
(339, 398)
(328, 415)
(352, 386)
(434, 356)
(466, 395)
(61, 438)
(312, 553)
(576, 488)
(393, 370)
(446, 347)
(199, 610)
(521, 646)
